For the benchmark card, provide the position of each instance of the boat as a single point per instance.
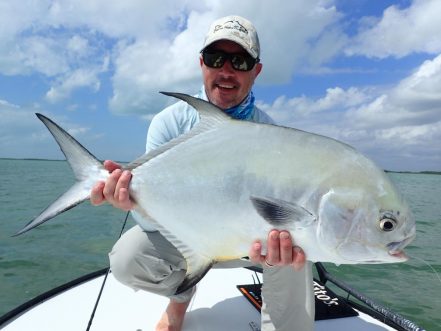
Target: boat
(225, 299)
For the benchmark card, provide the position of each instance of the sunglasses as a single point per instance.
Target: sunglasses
(239, 61)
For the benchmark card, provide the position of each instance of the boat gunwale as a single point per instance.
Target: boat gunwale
(16, 312)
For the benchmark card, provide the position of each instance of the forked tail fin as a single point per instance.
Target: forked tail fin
(87, 170)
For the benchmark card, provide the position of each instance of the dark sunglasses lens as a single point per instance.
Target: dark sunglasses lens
(242, 62)
(239, 62)
(213, 59)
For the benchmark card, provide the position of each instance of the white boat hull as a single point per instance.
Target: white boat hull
(217, 305)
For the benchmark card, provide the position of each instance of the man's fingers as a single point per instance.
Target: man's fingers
(110, 166)
(109, 188)
(286, 251)
(115, 190)
(280, 251)
(299, 258)
(273, 253)
(124, 199)
(255, 252)
(96, 195)
(121, 196)
(123, 182)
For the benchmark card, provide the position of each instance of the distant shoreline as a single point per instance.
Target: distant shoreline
(425, 172)
(415, 172)
(29, 159)
(34, 159)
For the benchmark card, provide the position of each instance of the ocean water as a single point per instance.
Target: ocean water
(78, 241)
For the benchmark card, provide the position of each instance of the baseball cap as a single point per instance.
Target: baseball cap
(236, 29)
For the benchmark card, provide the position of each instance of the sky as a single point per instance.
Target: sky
(365, 72)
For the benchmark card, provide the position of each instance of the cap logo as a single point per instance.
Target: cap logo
(231, 25)
(236, 29)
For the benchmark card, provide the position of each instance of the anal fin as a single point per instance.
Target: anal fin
(198, 264)
(193, 276)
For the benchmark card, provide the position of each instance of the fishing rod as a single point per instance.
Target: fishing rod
(395, 318)
(104, 280)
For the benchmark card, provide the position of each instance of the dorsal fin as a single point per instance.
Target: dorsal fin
(207, 110)
(211, 117)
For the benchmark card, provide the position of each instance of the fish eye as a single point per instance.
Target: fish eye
(387, 224)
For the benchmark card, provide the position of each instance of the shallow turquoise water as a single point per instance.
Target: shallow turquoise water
(77, 242)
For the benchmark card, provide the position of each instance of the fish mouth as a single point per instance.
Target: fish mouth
(396, 248)
(399, 255)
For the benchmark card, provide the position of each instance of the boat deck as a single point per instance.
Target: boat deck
(121, 308)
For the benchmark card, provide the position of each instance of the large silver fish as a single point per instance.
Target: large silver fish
(213, 191)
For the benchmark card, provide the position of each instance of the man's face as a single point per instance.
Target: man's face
(226, 87)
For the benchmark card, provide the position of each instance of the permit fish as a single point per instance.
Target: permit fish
(214, 190)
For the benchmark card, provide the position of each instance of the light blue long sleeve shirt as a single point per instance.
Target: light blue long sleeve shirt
(180, 118)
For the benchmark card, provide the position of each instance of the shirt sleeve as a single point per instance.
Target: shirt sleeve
(180, 118)
(170, 123)
(157, 134)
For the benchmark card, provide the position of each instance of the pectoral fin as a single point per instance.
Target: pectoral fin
(281, 213)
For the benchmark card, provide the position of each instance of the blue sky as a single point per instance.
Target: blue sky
(365, 72)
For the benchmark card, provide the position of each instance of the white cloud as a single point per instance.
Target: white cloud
(22, 135)
(138, 19)
(78, 45)
(415, 100)
(146, 66)
(23, 50)
(400, 32)
(155, 45)
(306, 37)
(318, 115)
(157, 48)
(422, 89)
(42, 55)
(32, 54)
(73, 80)
(15, 128)
(17, 16)
(399, 127)
(35, 41)
(147, 46)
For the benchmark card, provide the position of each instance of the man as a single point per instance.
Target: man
(144, 259)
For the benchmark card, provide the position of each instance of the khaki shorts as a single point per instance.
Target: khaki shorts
(147, 261)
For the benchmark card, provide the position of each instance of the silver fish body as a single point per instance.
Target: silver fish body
(226, 183)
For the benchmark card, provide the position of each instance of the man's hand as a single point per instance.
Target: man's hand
(115, 190)
(280, 251)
